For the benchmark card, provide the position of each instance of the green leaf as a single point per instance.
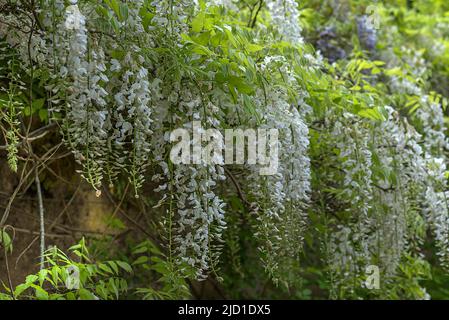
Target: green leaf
(36, 106)
(43, 115)
(5, 241)
(105, 267)
(373, 114)
(41, 294)
(125, 266)
(141, 260)
(113, 266)
(20, 289)
(42, 275)
(114, 5)
(31, 279)
(198, 22)
(113, 287)
(253, 47)
(86, 294)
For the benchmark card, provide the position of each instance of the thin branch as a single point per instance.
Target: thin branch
(253, 24)
(35, 135)
(8, 274)
(237, 187)
(41, 218)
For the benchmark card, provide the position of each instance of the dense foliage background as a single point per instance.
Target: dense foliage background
(92, 207)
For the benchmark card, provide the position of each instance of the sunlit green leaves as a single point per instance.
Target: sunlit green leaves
(73, 280)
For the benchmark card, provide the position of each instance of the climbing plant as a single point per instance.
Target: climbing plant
(355, 89)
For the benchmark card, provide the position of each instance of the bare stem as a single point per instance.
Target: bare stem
(41, 219)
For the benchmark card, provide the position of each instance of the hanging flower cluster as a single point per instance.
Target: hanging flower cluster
(285, 15)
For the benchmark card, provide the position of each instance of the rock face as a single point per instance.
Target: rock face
(8, 180)
(86, 213)
(94, 211)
